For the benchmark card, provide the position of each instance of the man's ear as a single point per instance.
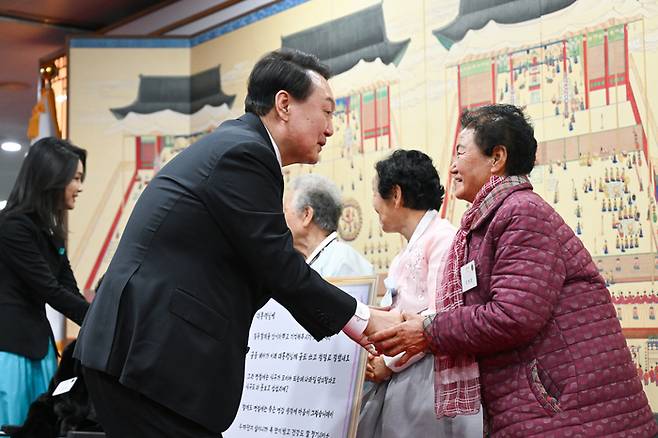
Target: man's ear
(282, 101)
(499, 160)
(307, 216)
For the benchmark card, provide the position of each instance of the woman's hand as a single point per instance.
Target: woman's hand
(376, 369)
(408, 336)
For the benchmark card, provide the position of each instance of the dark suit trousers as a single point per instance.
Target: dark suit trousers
(125, 413)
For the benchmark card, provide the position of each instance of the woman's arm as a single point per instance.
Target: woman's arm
(526, 279)
(18, 248)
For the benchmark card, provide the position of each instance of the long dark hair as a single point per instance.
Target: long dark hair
(50, 165)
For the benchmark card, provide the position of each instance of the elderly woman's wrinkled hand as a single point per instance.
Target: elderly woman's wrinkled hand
(376, 369)
(407, 337)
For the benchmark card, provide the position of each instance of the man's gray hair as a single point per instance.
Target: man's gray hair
(322, 195)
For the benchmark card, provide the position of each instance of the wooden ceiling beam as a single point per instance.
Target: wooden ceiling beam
(42, 20)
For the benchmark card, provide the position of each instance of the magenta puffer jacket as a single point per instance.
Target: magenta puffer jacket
(552, 357)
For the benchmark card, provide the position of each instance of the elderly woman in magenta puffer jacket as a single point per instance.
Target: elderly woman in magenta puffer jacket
(525, 326)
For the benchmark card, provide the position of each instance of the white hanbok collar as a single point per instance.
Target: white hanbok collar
(391, 281)
(318, 250)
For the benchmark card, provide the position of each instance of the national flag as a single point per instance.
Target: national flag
(43, 122)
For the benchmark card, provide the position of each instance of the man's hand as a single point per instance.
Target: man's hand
(379, 320)
(407, 336)
(376, 369)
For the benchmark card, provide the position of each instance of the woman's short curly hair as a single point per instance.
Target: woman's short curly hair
(416, 176)
(505, 125)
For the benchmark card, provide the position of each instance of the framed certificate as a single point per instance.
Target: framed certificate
(296, 386)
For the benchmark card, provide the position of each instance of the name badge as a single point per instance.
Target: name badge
(64, 386)
(469, 278)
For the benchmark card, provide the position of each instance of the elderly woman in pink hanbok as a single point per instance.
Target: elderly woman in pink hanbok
(400, 402)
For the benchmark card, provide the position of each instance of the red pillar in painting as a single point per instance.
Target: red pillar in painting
(565, 73)
(511, 78)
(493, 81)
(388, 122)
(459, 88)
(605, 61)
(585, 71)
(444, 207)
(361, 127)
(138, 152)
(627, 81)
(375, 109)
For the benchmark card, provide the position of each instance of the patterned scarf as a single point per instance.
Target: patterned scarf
(457, 378)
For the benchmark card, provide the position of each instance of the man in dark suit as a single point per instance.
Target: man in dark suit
(164, 342)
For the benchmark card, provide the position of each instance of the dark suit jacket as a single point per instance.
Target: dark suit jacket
(34, 270)
(206, 246)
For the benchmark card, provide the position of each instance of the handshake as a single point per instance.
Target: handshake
(390, 333)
